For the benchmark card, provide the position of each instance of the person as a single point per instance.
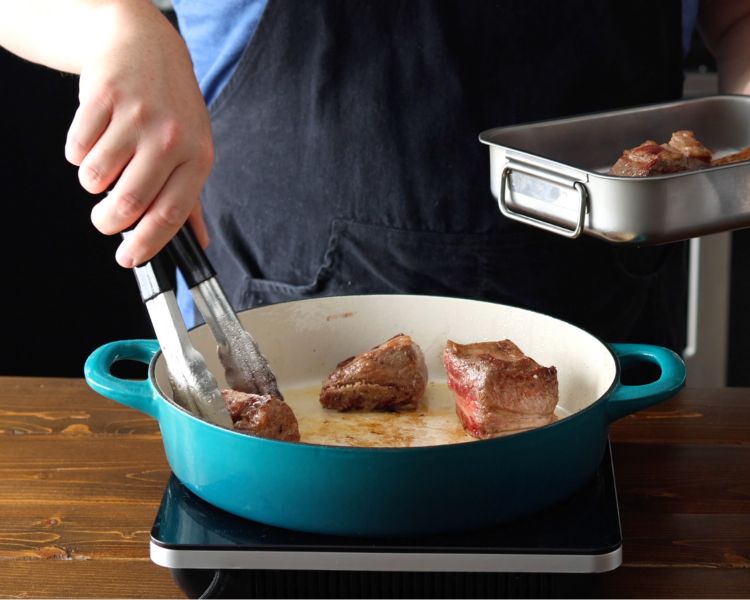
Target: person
(339, 154)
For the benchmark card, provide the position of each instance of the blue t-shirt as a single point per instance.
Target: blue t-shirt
(216, 34)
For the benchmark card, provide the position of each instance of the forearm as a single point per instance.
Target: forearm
(725, 27)
(65, 34)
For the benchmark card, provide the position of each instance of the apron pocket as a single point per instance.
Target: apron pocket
(578, 281)
(369, 259)
(363, 258)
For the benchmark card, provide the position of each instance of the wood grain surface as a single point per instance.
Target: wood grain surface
(81, 478)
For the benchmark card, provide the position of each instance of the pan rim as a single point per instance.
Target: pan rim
(162, 397)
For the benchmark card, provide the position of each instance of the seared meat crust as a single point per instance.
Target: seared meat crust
(264, 416)
(498, 389)
(390, 377)
(732, 158)
(683, 152)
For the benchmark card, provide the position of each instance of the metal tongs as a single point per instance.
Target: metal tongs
(194, 386)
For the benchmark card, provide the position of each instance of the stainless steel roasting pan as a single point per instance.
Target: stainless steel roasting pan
(553, 174)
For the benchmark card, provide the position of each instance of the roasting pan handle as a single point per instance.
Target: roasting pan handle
(508, 212)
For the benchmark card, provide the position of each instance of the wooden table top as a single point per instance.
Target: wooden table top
(81, 478)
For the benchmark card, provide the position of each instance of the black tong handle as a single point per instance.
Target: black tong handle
(155, 276)
(189, 257)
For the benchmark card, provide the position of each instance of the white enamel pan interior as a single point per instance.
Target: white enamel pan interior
(304, 341)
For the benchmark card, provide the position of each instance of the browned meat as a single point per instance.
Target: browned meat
(648, 159)
(685, 143)
(498, 389)
(732, 158)
(264, 416)
(392, 376)
(683, 153)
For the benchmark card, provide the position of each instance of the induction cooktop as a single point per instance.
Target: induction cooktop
(212, 553)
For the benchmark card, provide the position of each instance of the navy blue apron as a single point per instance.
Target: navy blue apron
(347, 158)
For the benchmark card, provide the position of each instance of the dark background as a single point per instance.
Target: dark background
(63, 294)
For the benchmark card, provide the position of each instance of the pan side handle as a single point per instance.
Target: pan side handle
(137, 394)
(627, 399)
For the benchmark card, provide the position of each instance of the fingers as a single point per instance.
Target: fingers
(138, 186)
(109, 156)
(90, 121)
(163, 218)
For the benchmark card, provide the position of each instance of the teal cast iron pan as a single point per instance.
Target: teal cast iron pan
(385, 474)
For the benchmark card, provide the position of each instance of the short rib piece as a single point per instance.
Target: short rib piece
(264, 416)
(498, 389)
(390, 377)
(740, 156)
(683, 152)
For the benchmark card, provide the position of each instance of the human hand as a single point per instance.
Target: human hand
(725, 26)
(142, 129)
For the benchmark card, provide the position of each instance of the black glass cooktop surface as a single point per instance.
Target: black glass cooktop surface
(582, 534)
